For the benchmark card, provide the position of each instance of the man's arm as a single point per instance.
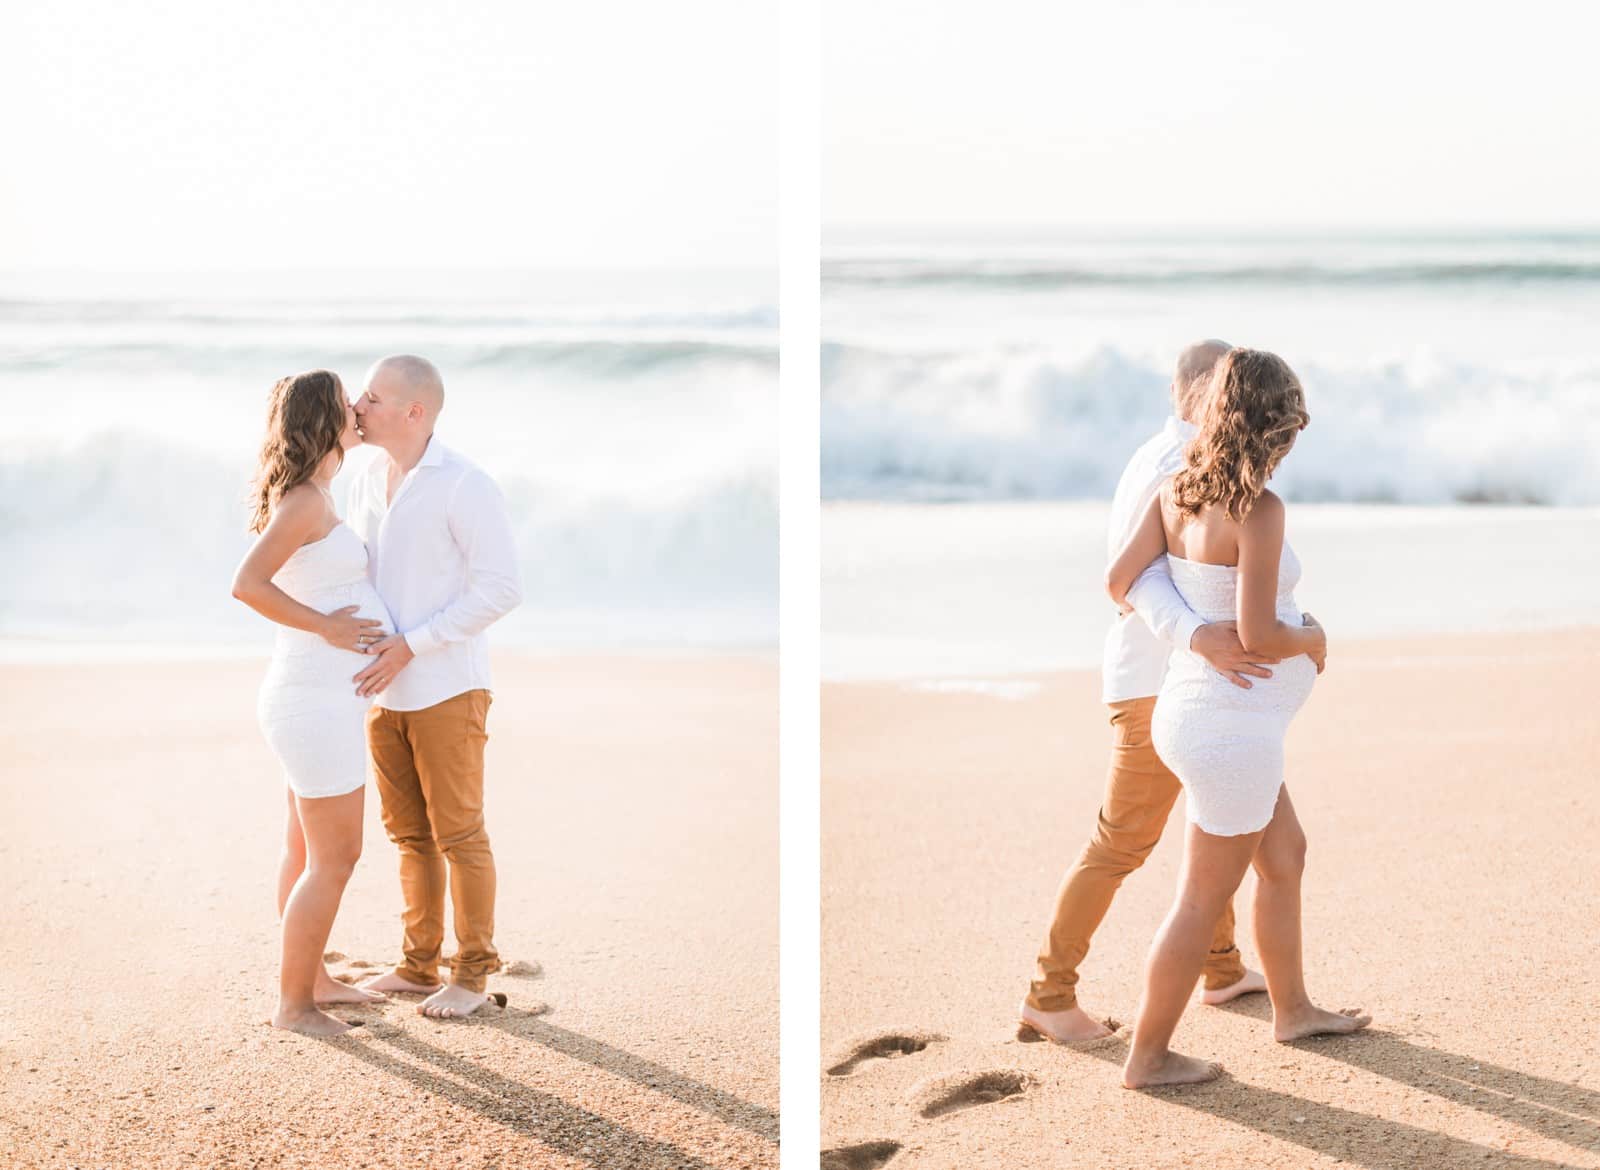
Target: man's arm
(1161, 607)
(481, 527)
(1157, 602)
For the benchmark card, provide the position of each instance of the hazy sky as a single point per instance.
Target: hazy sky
(1244, 111)
(203, 135)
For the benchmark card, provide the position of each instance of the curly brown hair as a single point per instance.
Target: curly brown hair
(305, 421)
(1252, 412)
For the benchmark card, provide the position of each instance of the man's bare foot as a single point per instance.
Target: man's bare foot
(1167, 1068)
(392, 982)
(1072, 1026)
(1252, 981)
(330, 990)
(1313, 1021)
(310, 1022)
(452, 1003)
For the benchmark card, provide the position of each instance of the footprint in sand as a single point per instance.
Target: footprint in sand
(522, 969)
(866, 1156)
(947, 1094)
(885, 1046)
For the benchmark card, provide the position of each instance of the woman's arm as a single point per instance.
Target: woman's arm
(1260, 550)
(1149, 541)
(294, 521)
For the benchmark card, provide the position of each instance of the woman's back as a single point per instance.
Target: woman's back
(1211, 537)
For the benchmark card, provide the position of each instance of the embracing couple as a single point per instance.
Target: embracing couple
(380, 657)
(1207, 663)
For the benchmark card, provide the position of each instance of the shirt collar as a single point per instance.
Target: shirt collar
(432, 454)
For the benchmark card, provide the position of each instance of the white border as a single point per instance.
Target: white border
(799, 612)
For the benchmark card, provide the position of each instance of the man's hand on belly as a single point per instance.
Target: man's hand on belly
(392, 655)
(1218, 643)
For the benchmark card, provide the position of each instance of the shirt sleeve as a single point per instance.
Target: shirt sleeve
(481, 528)
(1161, 607)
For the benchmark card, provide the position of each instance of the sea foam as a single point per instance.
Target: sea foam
(1021, 422)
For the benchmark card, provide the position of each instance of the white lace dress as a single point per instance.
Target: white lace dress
(1223, 742)
(308, 707)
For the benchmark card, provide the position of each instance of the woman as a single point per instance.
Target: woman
(1222, 533)
(307, 571)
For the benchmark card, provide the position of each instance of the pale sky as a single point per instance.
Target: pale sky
(197, 135)
(1138, 112)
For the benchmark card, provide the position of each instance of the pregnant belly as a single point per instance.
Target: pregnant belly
(292, 642)
(1193, 688)
(301, 659)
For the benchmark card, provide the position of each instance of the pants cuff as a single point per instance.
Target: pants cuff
(474, 976)
(1052, 1000)
(1223, 969)
(417, 975)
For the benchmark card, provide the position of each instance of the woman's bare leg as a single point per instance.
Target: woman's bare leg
(292, 861)
(332, 827)
(1280, 862)
(1212, 869)
(291, 864)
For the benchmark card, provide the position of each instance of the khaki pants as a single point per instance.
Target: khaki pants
(1140, 792)
(429, 767)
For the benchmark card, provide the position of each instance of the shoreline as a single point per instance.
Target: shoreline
(1387, 652)
(66, 652)
(984, 589)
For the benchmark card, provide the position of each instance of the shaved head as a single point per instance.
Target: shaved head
(1190, 379)
(413, 378)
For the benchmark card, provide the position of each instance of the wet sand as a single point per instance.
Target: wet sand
(1450, 790)
(632, 807)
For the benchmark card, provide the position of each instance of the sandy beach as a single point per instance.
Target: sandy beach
(632, 806)
(1448, 786)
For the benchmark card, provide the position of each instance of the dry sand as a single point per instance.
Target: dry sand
(1450, 789)
(632, 806)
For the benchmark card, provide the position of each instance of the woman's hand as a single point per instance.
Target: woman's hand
(1318, 652)
(343, 629)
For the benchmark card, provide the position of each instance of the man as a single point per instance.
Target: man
(441, 554)
(1140, 789)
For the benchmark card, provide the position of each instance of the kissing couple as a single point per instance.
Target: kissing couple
(1207, 663)
(381, 660)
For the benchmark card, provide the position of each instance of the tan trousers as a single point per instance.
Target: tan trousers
(429, 767)
(1140, 792)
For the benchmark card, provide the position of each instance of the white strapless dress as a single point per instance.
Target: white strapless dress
(308, 707)
(1223, 742)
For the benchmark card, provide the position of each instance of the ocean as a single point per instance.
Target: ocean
(630, 419)
(983, 389)
(1438, 369)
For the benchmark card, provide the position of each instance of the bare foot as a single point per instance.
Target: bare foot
(393, 982)
(1252, 981)
(1072, 1026)
(330, 990)
(1313, 1021)
(310, 1022)
(1167, 1068)
(452, 1003)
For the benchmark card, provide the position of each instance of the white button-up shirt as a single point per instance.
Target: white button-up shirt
(442, 558)
(1138, 645)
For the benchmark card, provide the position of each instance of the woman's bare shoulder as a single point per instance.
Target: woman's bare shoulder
(1268, 507)
(301, 508)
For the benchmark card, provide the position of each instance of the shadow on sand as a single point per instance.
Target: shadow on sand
(1560, 1112)
(724, 1106)
(562, 1126)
